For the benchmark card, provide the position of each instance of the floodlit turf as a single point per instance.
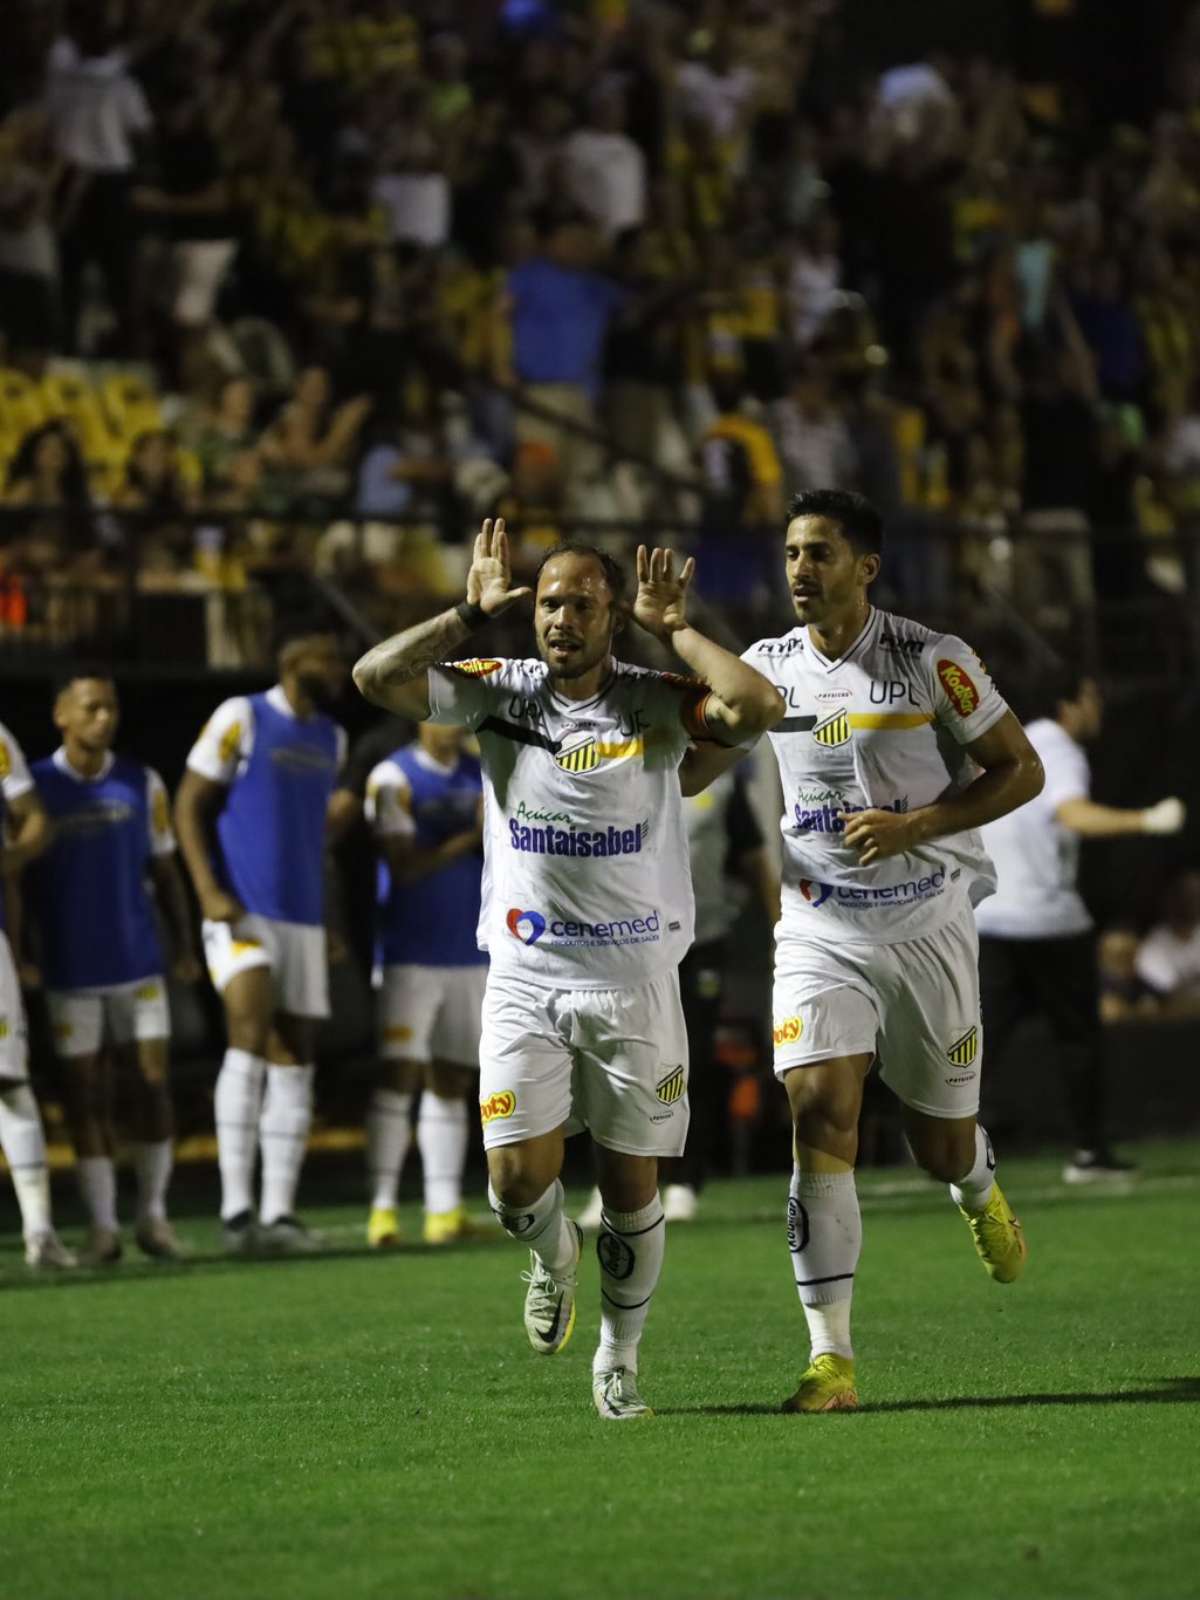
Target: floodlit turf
(359, 1426)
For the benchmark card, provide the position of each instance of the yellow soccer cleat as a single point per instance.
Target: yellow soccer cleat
(448, 1227)
(999, 1237)
(827, 1385)
(383, 1228)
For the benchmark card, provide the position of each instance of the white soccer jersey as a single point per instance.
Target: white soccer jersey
(1035, 857)
(586, 882)
(883, 727)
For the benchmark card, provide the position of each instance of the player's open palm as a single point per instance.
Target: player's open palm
(661, 604)
(489, 581)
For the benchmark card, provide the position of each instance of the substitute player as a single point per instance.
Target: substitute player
(894, 749)
(425, 805)
(587, 905)
(24, 834)
(251, 815)
(1037, 953)
(101, 957)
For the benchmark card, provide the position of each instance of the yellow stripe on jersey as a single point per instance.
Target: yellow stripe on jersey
(890, 719)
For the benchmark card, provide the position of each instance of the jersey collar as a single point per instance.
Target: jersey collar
(62, 762)
(832, 666)
(575, 706)
(424, 759)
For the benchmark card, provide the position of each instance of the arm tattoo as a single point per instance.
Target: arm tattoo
(406, 655)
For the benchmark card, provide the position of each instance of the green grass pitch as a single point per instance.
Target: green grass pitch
(356, 1426)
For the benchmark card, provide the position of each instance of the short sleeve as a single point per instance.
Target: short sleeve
(1067, 774)
(15, 777)
(388, 804)
(463, 693)
(225, 742)
(162, 835)
(965, 700)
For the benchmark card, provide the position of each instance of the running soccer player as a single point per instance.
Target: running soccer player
(24, 834)
(101, 959)
(1037, 952)
(425, 804)
(587, 905)
(264, 768)
(894, 749)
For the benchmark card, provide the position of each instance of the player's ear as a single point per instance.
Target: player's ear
(870, 567)
(621, 611)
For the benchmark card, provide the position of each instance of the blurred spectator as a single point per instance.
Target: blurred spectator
(30, 318)
(719, 92)
(813, 439)
(224, 427)
(309, 445)
(96, 111)
(1168, 958)
(1124, 997)
(814, 277)
(604, 172)
(48, 476)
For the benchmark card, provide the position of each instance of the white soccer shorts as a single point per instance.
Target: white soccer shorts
(294, 951)
(79, 1018)
(14, 1038)
(915, 1003)
(431, 1013)
(614, 1061)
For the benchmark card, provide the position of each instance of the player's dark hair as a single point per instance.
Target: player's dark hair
(860, 523)
(82, 672)
(1054, 684)
(614, 572)
(304, 624)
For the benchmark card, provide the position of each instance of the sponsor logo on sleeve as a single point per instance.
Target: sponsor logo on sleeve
(497, 1106)
(959, 686)
(789, 1031)
(670, 1089)
(231, 742)
(161, 812)
(475, 668)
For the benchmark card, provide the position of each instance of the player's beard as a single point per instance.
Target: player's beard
(576, 666)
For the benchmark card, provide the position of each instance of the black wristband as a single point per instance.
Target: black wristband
(470, 614)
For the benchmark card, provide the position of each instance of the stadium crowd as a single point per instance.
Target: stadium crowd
(268, 269)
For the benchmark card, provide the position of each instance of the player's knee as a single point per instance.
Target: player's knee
(947, 1160)
(515, 1178)
(248, 1032)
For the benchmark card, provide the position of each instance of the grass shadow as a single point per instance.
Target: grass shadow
(1173, 1391)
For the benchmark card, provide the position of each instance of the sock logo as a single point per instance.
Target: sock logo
(990, 1156)
(518, 1225)
(964, 1050)
(614, 1255)
(533, 920)
(501, 1104)
(797, 1225)
(670, 1089)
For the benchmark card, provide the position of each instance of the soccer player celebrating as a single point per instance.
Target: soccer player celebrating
(587, 905)
(894, 749)
(101, 958)
(1038, 946)
(425, 804)
(264, 768)
(24, 834)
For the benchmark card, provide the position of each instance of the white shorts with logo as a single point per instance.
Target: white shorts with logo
(431, 1013)
(916, 1004)
(294, 951)
(81, 1018)
(14, 1036)
(614, 1061)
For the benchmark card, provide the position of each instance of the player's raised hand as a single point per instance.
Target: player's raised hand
(489, 581)
(877, 834)
(661, 604)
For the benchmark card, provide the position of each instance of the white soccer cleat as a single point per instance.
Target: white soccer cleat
(550, 1301)
(616, 1396)
(288, 1236)
(593, 1213)
(680, 1202)
(45, 1252)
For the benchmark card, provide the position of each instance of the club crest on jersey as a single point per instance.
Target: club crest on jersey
(963, 1051)
(834, 730)
(580, 754)
(475, 668)
(960, 689)
(670, 1088)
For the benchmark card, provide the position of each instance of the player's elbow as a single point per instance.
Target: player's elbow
(365, 678)
(759, 712)
(1032, 775)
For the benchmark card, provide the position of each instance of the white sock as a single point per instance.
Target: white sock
(630, 1249)
(154, 1163)
(543, 1226)
(389, 1134)
(825, 1237)
(24, 1146)
(974, 1191)
(98, 1186)
(442, 1134)
(237, 1102)
(283, 1136)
